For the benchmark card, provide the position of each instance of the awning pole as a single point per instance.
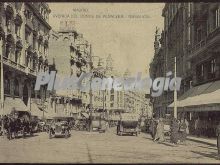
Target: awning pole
(175, 92)
(2, 83)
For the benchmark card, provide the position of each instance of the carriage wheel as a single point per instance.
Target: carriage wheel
(50, 135)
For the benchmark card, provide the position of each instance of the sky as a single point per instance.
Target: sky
(124, 30)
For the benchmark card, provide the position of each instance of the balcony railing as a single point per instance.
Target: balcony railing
(209, 40)
(214, 33)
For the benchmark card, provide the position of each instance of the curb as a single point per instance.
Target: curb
(200, 141)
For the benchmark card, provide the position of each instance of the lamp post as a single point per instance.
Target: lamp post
(2, 83)
(175, 92)
(92, 69)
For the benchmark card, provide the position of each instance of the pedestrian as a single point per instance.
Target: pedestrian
(218, 139)
(187, 127)
(174, 131)
(159, 136)
(197, 127)
(182, 131)
(153, 128)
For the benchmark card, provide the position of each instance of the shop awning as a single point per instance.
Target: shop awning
(205, 94)
(13, 103)
(35, 111)
(85, 115)
(50, 114)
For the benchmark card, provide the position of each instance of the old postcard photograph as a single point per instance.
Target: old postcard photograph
(109, 82)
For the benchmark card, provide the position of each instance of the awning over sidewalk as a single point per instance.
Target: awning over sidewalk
(205, 94)
(35, 111)
(13, 103)
(85, 115)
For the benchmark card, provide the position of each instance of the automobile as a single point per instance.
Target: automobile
(47, 124)
(59, 127)
(41, 126)
(167, 124)
(128, 124)
(99, 122)
(23, 123)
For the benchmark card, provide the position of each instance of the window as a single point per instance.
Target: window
(27, 34)
(189, 34)
(112, 105)
(112, 98)
(17, 56)
(34, 42)
(6, 85)
(213, 65)
(17, 30)
(8, 24)
(189, 9)
(27, 59)
(216, 18)
(16, 87)
(34, 64)
(199, 34)
(200, 72)
(7, 52)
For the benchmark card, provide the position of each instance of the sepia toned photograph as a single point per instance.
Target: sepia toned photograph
(109, 82)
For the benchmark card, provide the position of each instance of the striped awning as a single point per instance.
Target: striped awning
(202, 95)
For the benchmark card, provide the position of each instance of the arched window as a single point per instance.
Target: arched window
(6, 85)
(16, 87)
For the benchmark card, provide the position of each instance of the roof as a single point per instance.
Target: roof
(200, 95)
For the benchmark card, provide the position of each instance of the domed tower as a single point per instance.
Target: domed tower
(109, 65)
(127, 73)
(157, 41)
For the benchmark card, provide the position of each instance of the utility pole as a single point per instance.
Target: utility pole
(175, 92)
(2, 82)
(90, 91)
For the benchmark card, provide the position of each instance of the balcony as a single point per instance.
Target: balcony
(207, 43)
(13, 64)
(215, 34)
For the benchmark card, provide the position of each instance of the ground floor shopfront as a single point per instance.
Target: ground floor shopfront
(200, 103)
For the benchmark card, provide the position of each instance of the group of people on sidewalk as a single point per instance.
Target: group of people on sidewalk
(178, 130)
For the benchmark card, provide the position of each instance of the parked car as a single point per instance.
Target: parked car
(128, 124)
(167, 123)
(99, 124)
(59, 127)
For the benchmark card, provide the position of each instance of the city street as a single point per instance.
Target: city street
(94, 147)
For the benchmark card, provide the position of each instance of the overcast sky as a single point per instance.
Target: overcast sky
(128, 40)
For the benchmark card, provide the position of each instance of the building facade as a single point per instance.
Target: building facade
(24, 47)
(191, 34)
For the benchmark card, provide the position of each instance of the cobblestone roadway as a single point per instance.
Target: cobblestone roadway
(85, 147)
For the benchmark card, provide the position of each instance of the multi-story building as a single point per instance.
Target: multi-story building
(201, 100)
(191, 34)
(70, 54)
(24, 47)
(174, 42)
(113, 100)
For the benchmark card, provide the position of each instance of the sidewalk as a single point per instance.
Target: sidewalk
(204, 140)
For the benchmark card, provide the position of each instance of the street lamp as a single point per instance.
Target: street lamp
(92, 69)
